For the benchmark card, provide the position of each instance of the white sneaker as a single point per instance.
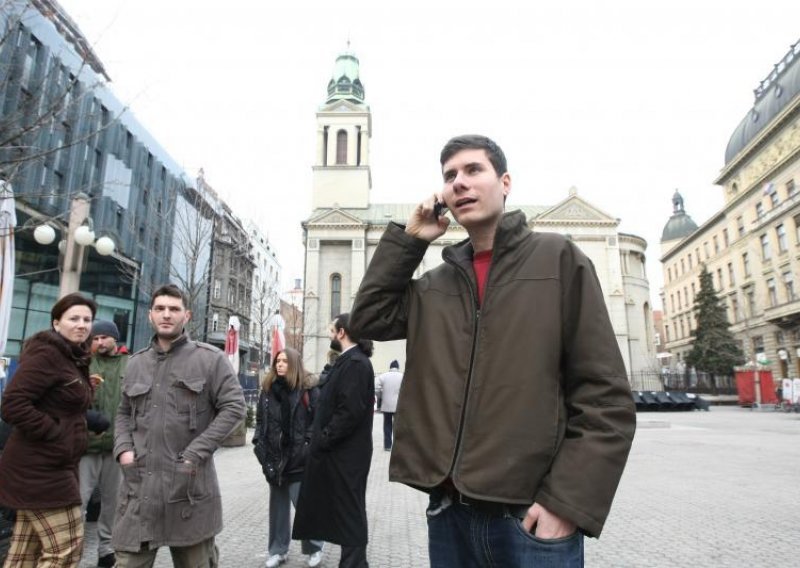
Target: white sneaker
(315, 559)
(276, 560)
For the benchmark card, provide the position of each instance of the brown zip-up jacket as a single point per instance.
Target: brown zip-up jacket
(524, 399)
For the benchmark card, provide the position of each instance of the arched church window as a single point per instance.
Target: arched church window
(336, 295)
(341, 147)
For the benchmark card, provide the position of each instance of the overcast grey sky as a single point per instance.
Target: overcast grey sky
(626, 100)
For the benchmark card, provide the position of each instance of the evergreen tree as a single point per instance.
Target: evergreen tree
(715, 350)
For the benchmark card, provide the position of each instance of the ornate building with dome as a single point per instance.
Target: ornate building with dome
(344, 227)
(751, 246)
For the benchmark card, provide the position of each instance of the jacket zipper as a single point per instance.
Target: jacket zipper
(473, 350)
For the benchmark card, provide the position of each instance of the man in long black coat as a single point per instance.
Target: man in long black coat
(332, 503)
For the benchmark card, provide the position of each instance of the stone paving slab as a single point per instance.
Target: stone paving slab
(702, 489)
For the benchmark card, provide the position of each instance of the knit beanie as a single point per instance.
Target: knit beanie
(105, 327)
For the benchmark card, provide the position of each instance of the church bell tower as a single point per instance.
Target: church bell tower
(341, 171)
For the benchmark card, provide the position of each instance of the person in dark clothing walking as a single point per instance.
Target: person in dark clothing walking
(332, 504)
(283, 431)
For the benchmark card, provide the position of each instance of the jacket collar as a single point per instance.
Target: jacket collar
(178, 343)
(511, 231)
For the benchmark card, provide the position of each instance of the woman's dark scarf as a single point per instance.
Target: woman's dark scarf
(280, 389)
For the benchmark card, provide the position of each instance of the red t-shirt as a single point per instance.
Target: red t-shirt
(481, 262)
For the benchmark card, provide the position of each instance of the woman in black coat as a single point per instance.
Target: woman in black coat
(332, 504)
(46, 404)
(283, 430)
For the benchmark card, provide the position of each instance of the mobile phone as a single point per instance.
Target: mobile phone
(439, 209)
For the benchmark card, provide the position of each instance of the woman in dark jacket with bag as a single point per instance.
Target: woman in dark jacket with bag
(283, 429)
(46, 404)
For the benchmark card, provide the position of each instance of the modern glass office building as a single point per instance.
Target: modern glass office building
(63, 132)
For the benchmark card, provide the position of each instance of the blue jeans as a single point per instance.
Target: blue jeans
(460, 536)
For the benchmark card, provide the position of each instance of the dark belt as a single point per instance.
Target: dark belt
(488, 508)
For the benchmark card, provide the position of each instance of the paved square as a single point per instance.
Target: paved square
(702, 489)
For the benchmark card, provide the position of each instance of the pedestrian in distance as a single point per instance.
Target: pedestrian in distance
(46, 404)
(332, 503)
(180, 400)
(98, 468)
(387, 389)
(516, 414)
(284, 416)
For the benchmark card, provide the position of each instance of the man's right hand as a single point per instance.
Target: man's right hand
(126, 458)
(423, 224)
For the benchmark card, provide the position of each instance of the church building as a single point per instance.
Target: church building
(344, 228)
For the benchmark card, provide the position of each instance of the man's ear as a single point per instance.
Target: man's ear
(506, 181)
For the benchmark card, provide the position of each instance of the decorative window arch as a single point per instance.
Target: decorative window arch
(336, 295)
(341, 147)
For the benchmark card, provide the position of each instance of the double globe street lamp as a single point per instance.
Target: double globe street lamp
(79, 235)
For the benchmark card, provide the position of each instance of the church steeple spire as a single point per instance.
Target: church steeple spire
(344, 83)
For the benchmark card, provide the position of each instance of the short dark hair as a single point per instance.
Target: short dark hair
(69, 301)
(342, 322)
(476, 142)
(170, 290)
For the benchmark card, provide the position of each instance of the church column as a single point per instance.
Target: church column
(321, 146)
(332, 137)
(312, 318)
(358, 264)
(352, 146)
(364, 147)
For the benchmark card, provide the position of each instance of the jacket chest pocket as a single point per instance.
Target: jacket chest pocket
(189, 399)
(138, 396)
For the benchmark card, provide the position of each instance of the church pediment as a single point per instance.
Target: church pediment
(341, 106)
(335, 217)
(576, 210)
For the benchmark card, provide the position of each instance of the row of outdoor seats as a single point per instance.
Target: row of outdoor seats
(672, 400)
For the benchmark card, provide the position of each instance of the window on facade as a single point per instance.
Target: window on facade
(758, 344)
(341, 150)
(731, 279)
(791, 190)
(772, 292)
(746, 264)
(725, 239)
(773, 199)
(705, 250)
(683, 266)
(217, 288)
(759, 209)
(780, 337)
(669, 274)
(734, 309)
(690, 260)
(672, 301)
(336, 295)
(215, 322)
(716, 244)
(740, 225)
(780, 231)
(751, 301)
(693, 292)
(666, 332)
(788, 283)
(719, 278)
(766, 252)
(686, 296)
(679, 299)
(797, 229)
(29, 63)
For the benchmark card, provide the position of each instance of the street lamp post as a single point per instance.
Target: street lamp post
(79, 235)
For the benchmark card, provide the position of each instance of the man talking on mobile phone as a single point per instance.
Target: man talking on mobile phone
(516, 414)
